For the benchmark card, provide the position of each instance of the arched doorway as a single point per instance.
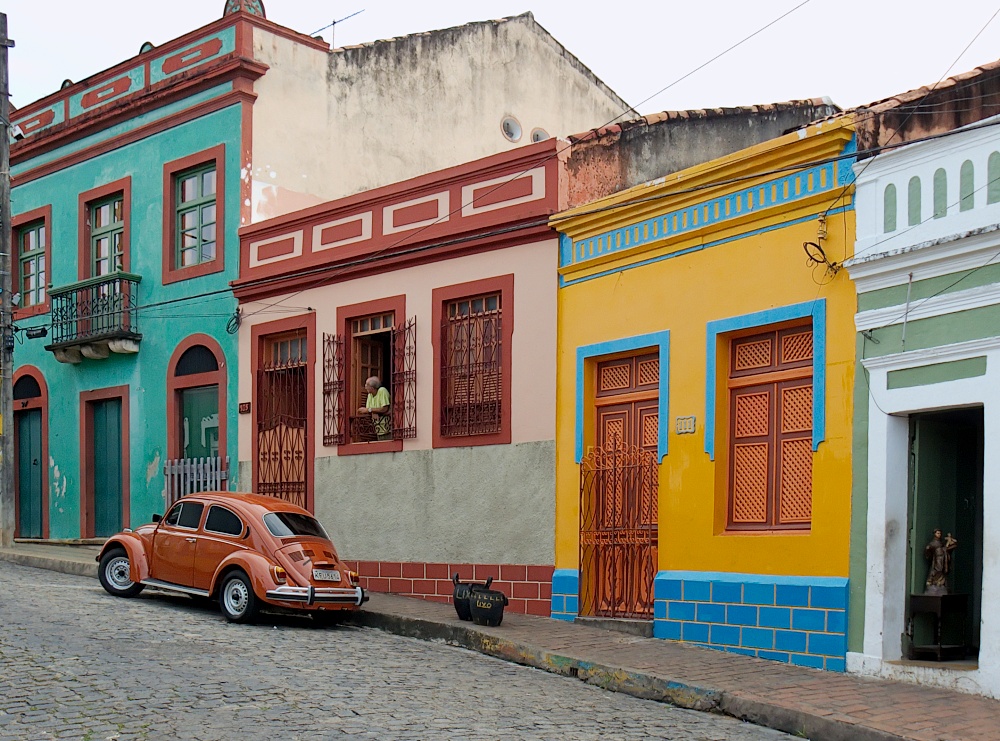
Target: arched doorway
(31, 454)
(196, 418)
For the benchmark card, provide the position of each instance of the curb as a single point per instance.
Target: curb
(616, 679)
(76, 568)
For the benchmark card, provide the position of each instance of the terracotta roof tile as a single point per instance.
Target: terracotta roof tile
(899, 99)
(699, 113)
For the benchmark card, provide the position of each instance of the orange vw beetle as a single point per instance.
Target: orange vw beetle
(245, 549)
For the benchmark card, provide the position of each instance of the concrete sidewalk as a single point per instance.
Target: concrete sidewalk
(823, 706)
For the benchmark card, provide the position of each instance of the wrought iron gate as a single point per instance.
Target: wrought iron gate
(281, 431)
(618, 531)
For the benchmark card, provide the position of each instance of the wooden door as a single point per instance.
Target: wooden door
(619, 491)
(107, 466)
(30, 467)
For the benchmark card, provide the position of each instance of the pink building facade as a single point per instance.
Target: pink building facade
(443, 286)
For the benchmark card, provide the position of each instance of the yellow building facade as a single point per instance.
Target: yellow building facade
(704, 402)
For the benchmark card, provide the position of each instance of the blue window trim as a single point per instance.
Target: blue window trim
(638, 342)
(815, 309)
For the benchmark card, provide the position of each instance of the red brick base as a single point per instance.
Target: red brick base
(529, 588)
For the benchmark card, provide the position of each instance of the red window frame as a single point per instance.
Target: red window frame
(176, 384)
(441, 297)
(171, 273)
(43, 214)
(85, 259)
(345, 314)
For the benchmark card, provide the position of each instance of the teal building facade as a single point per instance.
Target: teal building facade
(127, 197)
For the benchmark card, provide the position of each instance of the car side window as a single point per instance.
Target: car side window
(173, 515)
(221, 520)
(190, 514)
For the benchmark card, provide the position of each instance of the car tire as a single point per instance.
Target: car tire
(236, 598)
(114, 574)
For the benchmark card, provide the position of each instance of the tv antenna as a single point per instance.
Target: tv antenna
(333, 26)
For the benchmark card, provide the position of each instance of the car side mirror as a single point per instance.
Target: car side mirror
(157, 518)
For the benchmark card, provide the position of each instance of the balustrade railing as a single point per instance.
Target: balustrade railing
(101, 308)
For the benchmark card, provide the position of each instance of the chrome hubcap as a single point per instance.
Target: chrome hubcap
(236, 596)
(117, 573)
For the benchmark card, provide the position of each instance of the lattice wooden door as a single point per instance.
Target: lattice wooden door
(619, 488)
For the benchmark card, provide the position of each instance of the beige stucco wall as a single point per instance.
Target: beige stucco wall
(491, 504)
(445, 504)
(327, 125)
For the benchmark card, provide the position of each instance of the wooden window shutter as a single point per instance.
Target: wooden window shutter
(404, 380)
(334, 386)
(794, 468)
(751, 455)
(771, 411)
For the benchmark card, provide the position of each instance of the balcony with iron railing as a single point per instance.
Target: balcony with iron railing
(95, 317)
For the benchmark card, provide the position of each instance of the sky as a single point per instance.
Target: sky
(648, 51)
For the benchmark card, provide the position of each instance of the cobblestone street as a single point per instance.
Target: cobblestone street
(80, 664)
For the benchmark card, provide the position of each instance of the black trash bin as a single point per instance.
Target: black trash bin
(486, 606)
(462, 592)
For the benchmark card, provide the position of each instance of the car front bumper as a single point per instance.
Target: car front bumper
(319, 595)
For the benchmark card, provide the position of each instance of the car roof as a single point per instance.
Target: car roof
(248, 502)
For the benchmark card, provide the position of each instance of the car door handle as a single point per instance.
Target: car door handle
(190, 540)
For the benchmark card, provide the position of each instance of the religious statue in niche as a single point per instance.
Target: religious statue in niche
(938, 552)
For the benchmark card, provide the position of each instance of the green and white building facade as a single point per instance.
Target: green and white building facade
(927, 410)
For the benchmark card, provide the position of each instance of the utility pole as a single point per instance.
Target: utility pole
(7, 461)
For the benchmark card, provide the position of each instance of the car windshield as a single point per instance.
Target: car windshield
(291, 524)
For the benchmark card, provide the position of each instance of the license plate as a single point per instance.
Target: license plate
(326, 575)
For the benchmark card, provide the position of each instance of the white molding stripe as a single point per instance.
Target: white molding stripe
(296, 238)
(932, 355)
(537, 175)
(366, 232)
(949, 303)
(441, 217)
(932, 259)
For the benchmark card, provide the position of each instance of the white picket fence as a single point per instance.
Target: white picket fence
(192, 475)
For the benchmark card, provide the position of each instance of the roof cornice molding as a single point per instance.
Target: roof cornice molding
(709, 180)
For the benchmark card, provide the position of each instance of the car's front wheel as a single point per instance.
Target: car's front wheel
(114, 574)
(236, 598)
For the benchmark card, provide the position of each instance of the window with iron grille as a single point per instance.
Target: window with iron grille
(31, 244)
(107, 235)
(371, 355)
(471, 366)
(195, 229)
(770, 430)
(376, 340)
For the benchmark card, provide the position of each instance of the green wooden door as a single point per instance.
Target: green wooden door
(29, 473)
(932, 491)
(946, 474)
(107, 467)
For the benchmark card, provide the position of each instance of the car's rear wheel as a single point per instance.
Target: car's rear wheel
(236, 598)
(114, 574)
